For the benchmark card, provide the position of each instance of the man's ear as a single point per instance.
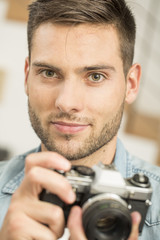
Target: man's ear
(26, 71)
(133, 80)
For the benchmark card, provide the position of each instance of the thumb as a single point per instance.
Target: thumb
(136, 218)
(75, 224)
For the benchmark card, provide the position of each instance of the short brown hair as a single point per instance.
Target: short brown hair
(115, 12)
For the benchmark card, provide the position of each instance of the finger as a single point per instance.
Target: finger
(75, 224)
(52, 215)
(26, 228)
(39, 178)
(47, 160)
(136, 218)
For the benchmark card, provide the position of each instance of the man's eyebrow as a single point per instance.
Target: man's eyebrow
(46, 65)
(99, 67)
(79, 70)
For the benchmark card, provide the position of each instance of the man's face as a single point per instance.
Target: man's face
(76, 87)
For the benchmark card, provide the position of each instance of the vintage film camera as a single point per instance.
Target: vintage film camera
(107, 199)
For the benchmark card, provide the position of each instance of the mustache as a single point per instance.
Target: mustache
(63, 116)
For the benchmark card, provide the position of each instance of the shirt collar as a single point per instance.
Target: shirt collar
(120, 160)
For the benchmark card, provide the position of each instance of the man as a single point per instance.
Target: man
(78, 76)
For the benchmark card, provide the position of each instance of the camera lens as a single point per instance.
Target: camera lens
(106, 217)
(108, 222)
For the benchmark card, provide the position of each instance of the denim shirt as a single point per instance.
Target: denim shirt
(12, 174)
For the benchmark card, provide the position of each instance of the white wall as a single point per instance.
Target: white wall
(15, 130)
(147, 52)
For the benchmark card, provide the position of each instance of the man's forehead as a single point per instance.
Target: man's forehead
(78, 29)
(85, 41)
(84, 35)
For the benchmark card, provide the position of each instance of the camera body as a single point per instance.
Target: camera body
(107, 199)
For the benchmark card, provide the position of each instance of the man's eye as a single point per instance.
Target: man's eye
(49, 74)
(96, 77)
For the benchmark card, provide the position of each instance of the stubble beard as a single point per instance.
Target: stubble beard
(90, 145)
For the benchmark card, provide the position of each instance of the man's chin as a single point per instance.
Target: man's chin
(69, 151)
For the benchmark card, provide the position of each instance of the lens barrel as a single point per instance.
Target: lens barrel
(106, 219)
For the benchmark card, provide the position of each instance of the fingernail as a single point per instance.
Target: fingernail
(67, 165)
(136, 217)
(71, 196)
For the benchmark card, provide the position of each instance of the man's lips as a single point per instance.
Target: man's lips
(69, 128)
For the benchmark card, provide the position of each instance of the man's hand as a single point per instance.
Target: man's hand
(29, 218)
(76, 228)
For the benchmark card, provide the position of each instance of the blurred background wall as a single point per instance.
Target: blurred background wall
(140, 130)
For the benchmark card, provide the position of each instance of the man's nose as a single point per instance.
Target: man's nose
(70, 97)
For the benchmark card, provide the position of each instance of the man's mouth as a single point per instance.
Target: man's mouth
(69, 127)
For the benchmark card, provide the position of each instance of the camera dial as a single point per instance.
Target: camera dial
(85, 171)
(140, 180)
